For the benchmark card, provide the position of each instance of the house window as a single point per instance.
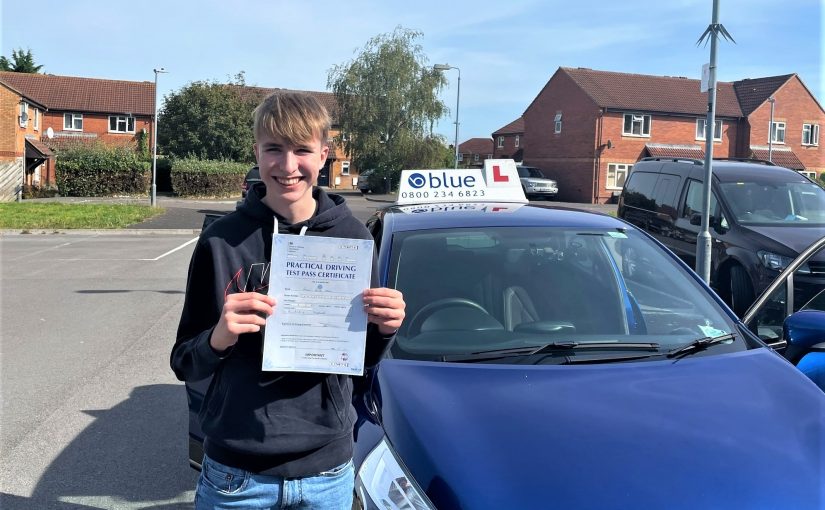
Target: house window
(121, 124)
(636, 124)
(810, 175)
(518, 139)
(700, 129)
(489, 156)
(475, 158)
(460, 156)
(73, 121)
(500, 142)
(24, 114)
(810, 134)
(778, 132)
(616, 175)
(557, 122)
(345, 168)
(36, 119)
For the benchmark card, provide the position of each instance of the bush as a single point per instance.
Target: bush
(204, 177)
(99, 170)
(33, 191)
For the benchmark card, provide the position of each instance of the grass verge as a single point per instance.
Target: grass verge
(51, 215)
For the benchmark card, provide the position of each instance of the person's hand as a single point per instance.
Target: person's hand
(244, 312)
(385, 307)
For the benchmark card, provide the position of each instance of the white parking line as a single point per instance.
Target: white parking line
(173, 250)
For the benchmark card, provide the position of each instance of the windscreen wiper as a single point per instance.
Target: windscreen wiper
(552, 347)
(699, 345)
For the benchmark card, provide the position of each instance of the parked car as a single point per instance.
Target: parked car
(761, 217)
(557, 357)
(370, 182)
(252, 177)
(535, 184)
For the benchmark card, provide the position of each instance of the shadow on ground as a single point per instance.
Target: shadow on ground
(133, 455)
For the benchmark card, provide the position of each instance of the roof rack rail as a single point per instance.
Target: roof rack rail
(673, 158)
(747, 160)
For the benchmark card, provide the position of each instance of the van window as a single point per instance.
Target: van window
(638, 190)
(665, 193)
(693, 201)
(775, 203)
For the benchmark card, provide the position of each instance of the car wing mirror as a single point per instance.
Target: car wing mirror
(813, 365)
(696, 219)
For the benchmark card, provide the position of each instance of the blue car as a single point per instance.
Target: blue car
(554, 358)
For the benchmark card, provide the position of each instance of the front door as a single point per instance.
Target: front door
(323, 175)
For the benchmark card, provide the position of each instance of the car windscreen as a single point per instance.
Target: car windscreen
(529, 171)
(470, 290)
(775, 203)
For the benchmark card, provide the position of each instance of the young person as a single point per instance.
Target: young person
(273, 439)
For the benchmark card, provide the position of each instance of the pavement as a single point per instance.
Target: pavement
(185, 215)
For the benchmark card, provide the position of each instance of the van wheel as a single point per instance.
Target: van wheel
(741, 290)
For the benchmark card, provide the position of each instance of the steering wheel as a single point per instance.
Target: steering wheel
(430, 308)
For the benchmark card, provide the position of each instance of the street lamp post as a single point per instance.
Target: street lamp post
(446, 67)
(771, 100)
(153, 200)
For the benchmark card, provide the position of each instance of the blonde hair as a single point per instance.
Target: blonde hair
(295, 117)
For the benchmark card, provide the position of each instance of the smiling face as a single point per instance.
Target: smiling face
(289, 170)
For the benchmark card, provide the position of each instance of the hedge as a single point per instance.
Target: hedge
(98, 170)
(204, 177)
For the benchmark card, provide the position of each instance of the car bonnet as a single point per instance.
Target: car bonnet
(741, 430)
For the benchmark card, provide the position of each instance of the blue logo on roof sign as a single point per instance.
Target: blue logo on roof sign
(417, 181)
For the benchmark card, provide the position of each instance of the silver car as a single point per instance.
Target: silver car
(535, 184)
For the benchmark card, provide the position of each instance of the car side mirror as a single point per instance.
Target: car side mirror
(805, 334)
(696, 219)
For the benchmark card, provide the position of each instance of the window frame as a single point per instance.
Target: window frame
(460, 157)
(125, 119)
(500, 142)
(557, 123)
(24, 110)
(645, 119)
(476, 158)
(775, 129)
(813, 134)
(74, 117)
(37, 119)
(517, 141)
(701, 133)
(616, 170)
(345, 167)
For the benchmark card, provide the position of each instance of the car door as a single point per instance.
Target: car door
(688, 223)
(790, 315)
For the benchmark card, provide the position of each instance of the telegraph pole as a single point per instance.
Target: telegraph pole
(703, 245)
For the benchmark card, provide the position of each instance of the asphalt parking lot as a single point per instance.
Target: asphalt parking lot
(92, 416)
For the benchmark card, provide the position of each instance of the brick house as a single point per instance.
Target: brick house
(338, 172)
(22, 156)
(474, 151)
(586, 128)
(80, 110)
(508, 141)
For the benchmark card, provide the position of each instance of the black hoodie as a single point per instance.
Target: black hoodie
(286, 424)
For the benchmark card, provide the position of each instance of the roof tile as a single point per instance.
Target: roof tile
(476, 146)
(70, 93)
(647, 93)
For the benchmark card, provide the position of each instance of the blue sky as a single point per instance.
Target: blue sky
(507, 50)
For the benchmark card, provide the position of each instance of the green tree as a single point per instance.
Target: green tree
(388, 104)
(208, 120)
(21, 62)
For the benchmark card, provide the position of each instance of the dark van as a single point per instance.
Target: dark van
(761, 217)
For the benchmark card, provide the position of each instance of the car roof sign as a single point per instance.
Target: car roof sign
(498, 181)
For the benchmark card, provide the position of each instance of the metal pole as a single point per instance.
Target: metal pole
(153, 201)
(703, 246)
(771, 100)
(457, 97)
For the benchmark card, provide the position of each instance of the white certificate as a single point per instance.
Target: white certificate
(319, 324)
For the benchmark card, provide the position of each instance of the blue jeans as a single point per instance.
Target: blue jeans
(221, 486)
